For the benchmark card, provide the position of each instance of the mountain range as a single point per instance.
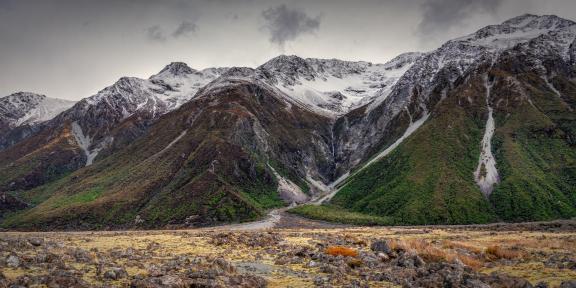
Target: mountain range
(480, 130)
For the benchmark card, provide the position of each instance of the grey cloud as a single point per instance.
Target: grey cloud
(156, 33)
(185, 28)
(439, 15)
(285, 24)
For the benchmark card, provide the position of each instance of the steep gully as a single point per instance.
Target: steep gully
(274, 216)
(486, 174)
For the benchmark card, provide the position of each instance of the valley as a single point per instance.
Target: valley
(479, 130)
(296, 252)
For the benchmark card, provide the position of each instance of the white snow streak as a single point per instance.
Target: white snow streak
(486, 174)
(551, 86)
(332, 186)
(172, 143)
(84, 142)
(411, 129)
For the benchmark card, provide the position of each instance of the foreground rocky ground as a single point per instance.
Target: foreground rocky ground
(525, 255)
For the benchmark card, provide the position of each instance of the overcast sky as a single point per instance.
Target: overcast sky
(73, 48)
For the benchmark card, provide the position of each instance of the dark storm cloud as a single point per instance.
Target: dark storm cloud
(185, 28)
(439, 15)
(286, 24)
(156, 33)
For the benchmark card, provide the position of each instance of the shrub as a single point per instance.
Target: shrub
(339, 250)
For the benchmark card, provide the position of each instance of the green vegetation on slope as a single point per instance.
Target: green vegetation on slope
(332, 213)
(428, 179)
(536, 162)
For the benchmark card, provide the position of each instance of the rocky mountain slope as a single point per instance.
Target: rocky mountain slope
(478, 130)
(96, 126)
(499, 140)
(21, 112)
(215, 159)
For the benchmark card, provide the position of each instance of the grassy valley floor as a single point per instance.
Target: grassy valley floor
(318, 255)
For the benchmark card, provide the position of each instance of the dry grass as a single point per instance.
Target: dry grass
(473, 248)
(498, 252)
(339, 250)
(463, 246)
(433, 253)
(545, 243)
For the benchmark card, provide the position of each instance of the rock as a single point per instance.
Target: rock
(225, 265)
(568, 284)
(383, 257)
(155, 271)
(312, 264)
(281, 261)
(381, 246)
(65, 278)
(497, 280)
(409, 260)
(328, 269)
(115, 273)
(36, 241)
(418, 261)
(354, 263)
(13, 261)
(82, 255)
(244, 281)
(171, 281)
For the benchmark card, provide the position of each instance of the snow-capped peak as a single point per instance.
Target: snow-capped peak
(528, 34)
(174, 69)
(25, 108)
(179, 83)
(402, 60)
(167, 90)
(332, 87)
(517, 30)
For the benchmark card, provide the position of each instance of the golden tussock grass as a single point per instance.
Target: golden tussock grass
(430, 252)
(499, 252)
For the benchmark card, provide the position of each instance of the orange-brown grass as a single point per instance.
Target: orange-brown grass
(339, 250)
(432, 253)
(499, 252)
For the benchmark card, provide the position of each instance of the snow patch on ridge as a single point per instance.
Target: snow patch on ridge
(47, 109)
(486, 174)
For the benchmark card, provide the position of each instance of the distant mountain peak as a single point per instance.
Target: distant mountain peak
(30, 108)
(23, 96)
(537, 21)
(175, 69)
(517, 30)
